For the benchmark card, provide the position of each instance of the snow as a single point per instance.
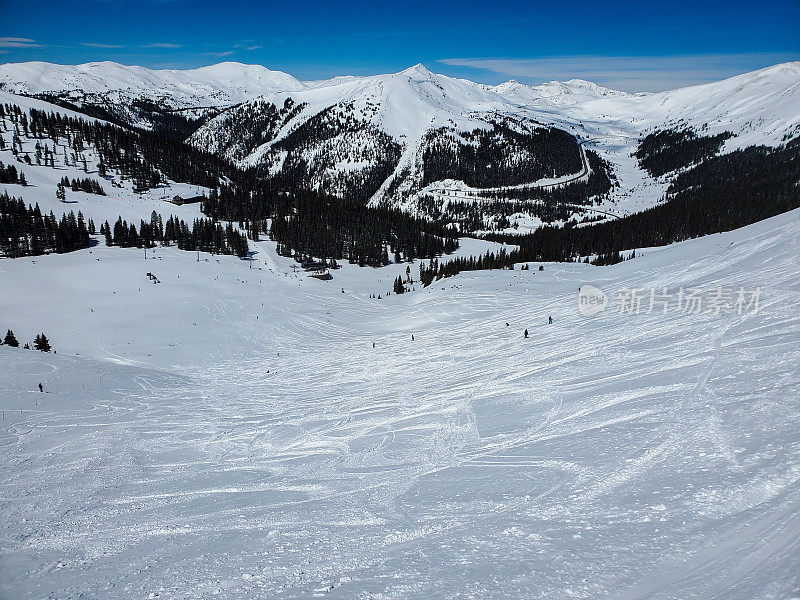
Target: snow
(232, 432)
(220, 84)
(574, 91)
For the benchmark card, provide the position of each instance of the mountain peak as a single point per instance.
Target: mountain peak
(418, 69)
(507, 85)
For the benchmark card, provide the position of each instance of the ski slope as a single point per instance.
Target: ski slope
(233, 433)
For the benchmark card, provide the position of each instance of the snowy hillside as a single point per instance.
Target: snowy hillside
(121, 197)
(761, 107)
(170, 102)
(232, 432)
(216, 85)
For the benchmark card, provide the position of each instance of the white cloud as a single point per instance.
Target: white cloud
(161, 45)
(16, 42)
(631, 73)
(97, 45)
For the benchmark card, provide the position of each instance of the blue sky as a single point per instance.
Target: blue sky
(627, 45)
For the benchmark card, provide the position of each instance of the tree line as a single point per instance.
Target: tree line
(668, 150)
(720, 193)
(204, 235)
(501, 155)
(307, 223)
(25, 231)
(163, 121)
(90, 186)
(9, 174)
(146, 158)
(492, 208)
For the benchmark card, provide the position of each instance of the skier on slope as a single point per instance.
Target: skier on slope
(526, 334)
(550, 320)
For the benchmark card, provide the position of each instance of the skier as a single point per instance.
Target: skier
(373, 344)
(41, 389)
(526, 334)
(550, 320)
(412, 337)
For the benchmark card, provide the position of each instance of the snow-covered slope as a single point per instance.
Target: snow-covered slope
(171, 102)
(221, 84)
(758, 108)
(233, 433)
(761, 107)
(120, 199)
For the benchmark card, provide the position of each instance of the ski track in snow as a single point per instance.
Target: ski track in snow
(194, 451)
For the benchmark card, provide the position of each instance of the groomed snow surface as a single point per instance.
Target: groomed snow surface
(232, 432)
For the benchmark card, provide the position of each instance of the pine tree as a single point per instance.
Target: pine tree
(10, 339)
(105, 229)
(399, 288)
(42, 343)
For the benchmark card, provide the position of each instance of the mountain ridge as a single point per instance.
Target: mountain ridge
(36, 77)
(379, 137)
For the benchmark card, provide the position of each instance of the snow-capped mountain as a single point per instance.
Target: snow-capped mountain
(146, 98)
(574, 91)
(760, 107)
(375, 136)
(216, 85)
(414, 136)
(345, 134)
